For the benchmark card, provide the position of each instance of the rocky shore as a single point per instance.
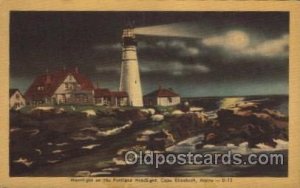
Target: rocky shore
(46, 137)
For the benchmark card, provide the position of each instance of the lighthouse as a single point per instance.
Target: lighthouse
(130, 75)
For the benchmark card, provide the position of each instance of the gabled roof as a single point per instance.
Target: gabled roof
(13, 91)
(51, 81)
(162, 92)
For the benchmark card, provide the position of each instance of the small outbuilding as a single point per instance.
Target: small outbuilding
(162, 97)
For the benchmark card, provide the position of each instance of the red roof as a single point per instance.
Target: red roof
(103, 92)
(161, 92)
(99, 92)
(51, 81)
(119, 94)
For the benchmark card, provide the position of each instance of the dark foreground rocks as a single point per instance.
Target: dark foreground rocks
(47, 137)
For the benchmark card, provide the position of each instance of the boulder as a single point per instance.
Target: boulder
(149, 111)
(157, 117)
(196, 109)
(177, 112)
(89, 113)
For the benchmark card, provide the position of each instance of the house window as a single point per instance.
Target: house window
(170, 99)
(17, 96)
(66, 85)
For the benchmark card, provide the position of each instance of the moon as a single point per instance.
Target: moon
(237, 39)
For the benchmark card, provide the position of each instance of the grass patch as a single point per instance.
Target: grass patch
(163, 109)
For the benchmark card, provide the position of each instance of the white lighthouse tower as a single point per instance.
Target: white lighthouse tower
(130, 74)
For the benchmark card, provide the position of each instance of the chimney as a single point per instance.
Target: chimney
(48, 77)
(98, 84)
(159, 87)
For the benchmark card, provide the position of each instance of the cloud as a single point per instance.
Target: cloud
(174, 44)
(178, 44)
(176, 68)
(270, 48)
(189, 52)
(100, 47)
(199, 68)
(178, 48)
(105, 69)
(180, 69)
(239, 43)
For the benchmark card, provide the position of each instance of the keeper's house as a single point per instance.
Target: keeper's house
(162, 97)
(60, 87)
(71, 87)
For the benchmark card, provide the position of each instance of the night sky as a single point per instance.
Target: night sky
(195, 53)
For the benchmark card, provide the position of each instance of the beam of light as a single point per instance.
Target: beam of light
(181, 29)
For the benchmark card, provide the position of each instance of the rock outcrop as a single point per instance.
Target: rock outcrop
(247, 123)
